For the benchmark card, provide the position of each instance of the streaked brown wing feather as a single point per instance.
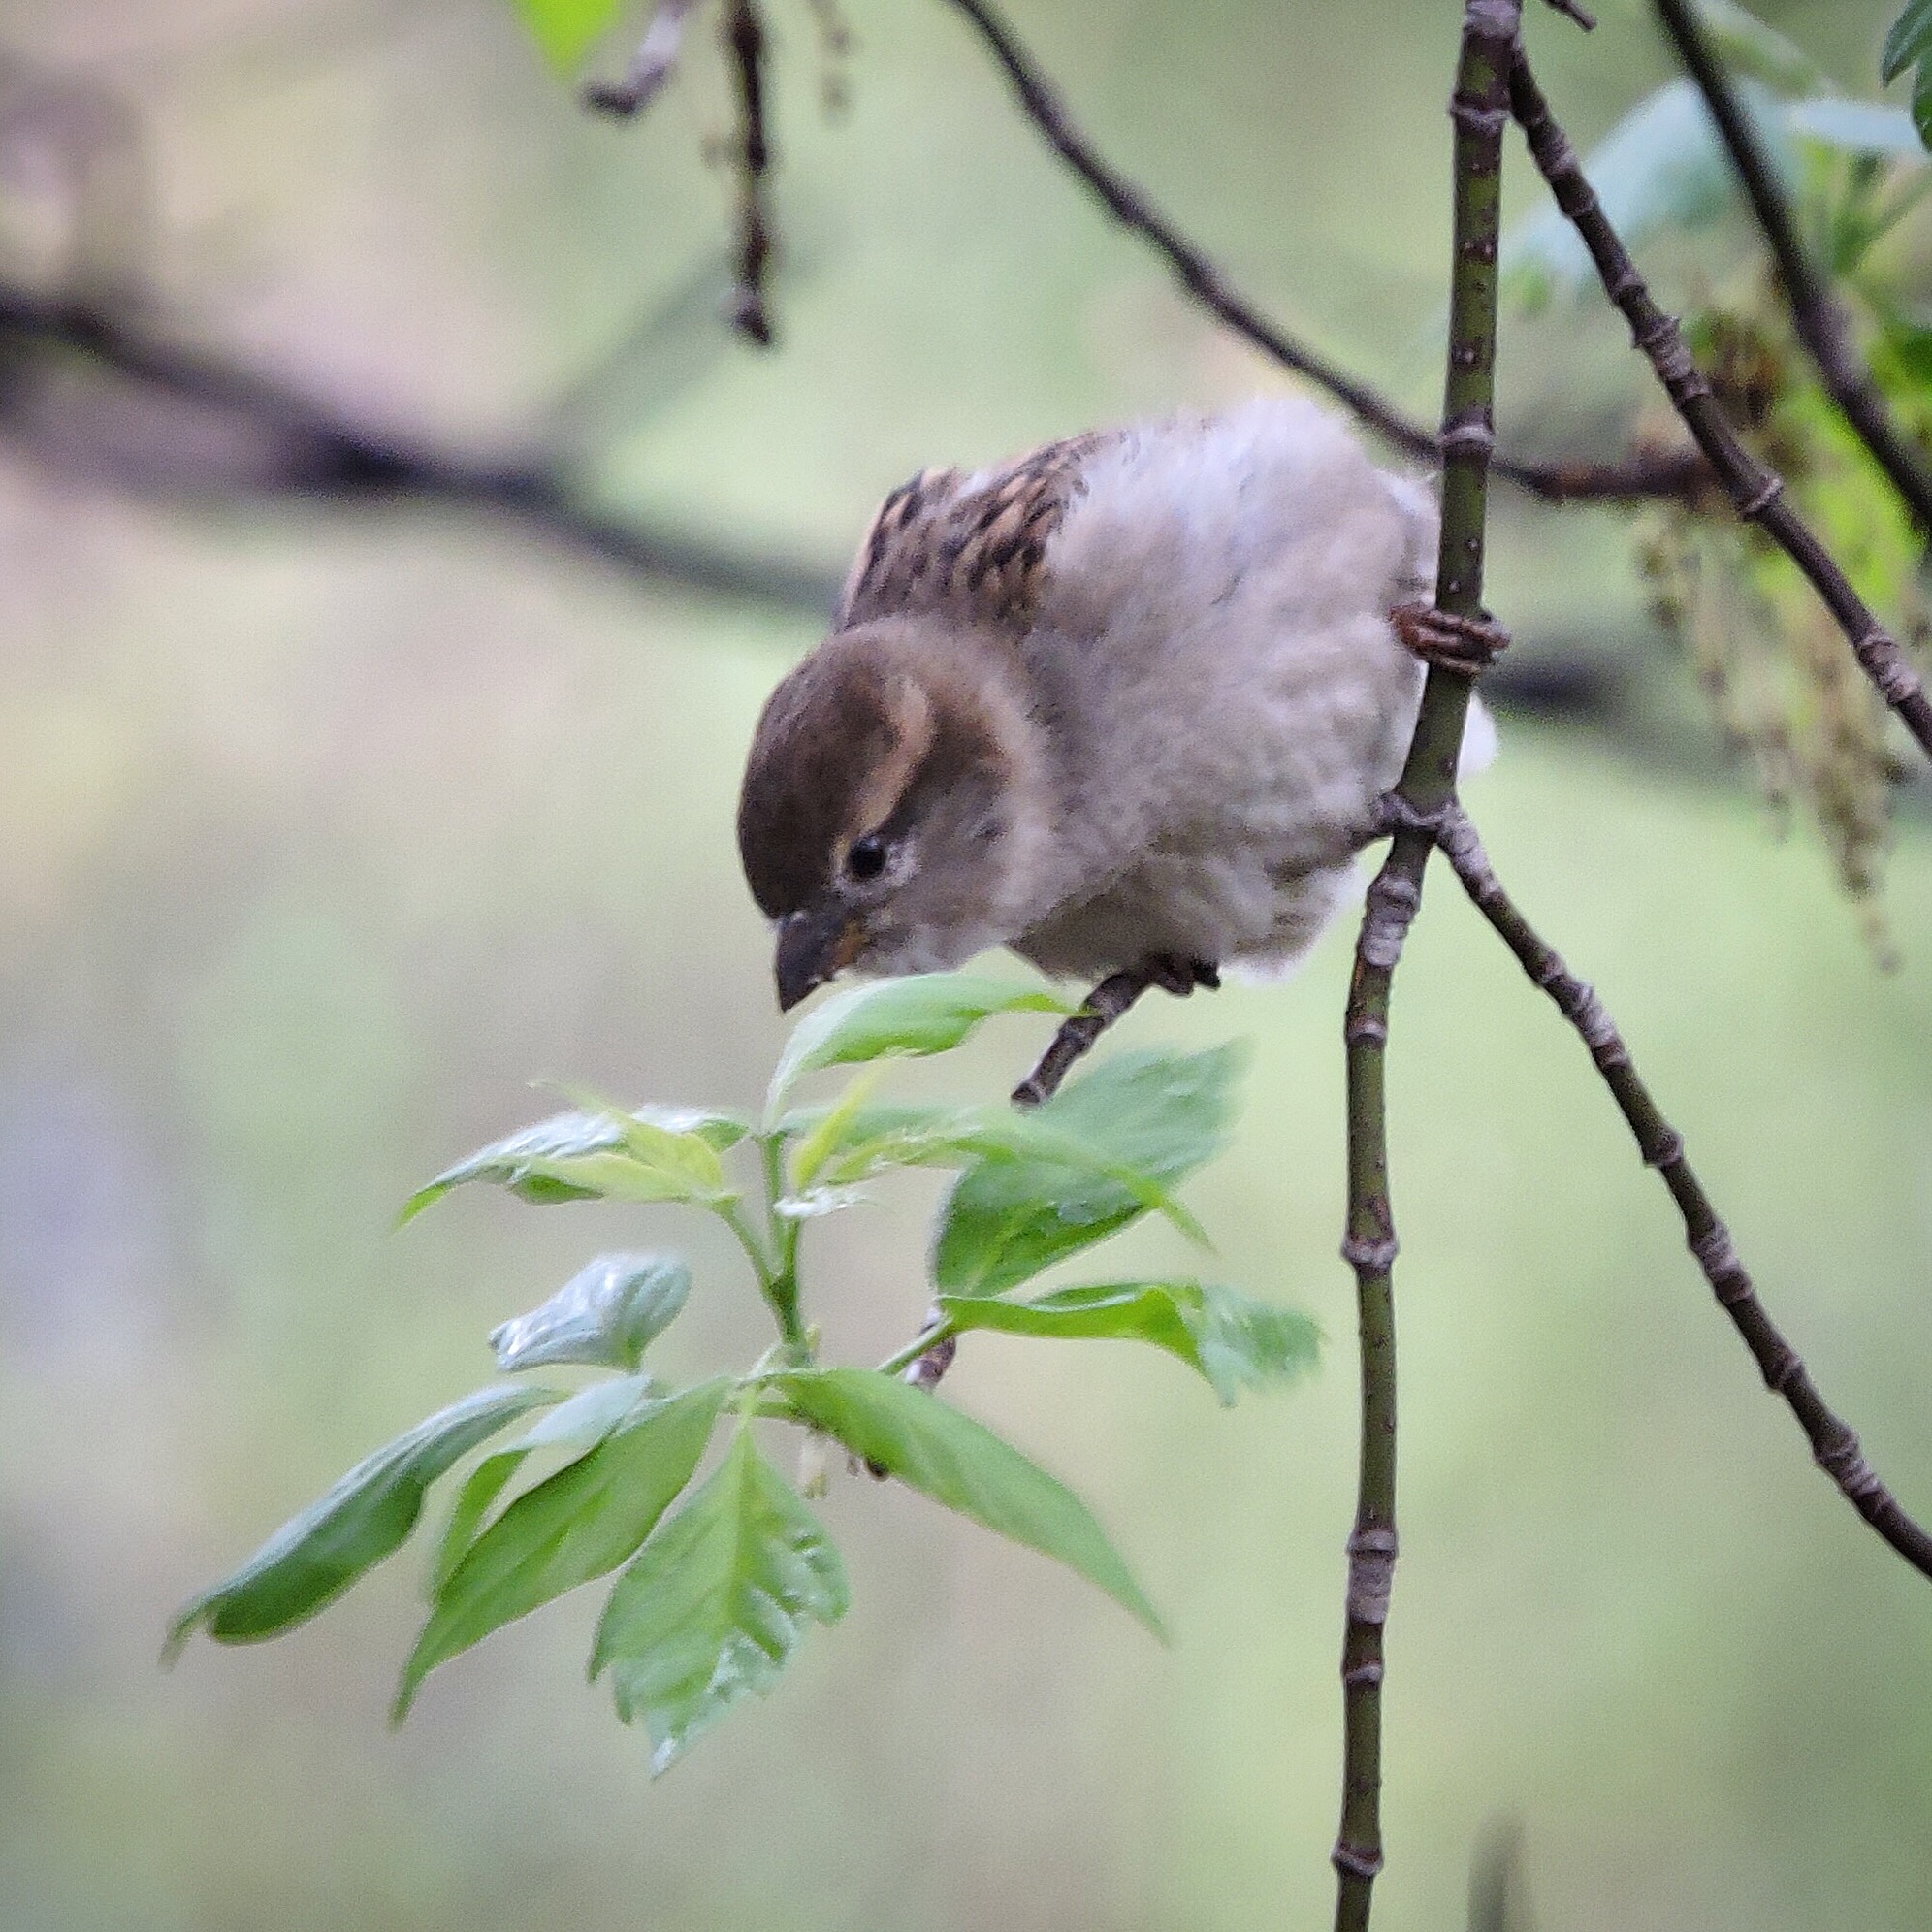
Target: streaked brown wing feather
(971, 544)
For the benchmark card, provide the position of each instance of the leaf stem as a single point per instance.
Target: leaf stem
(775, 1262)
(932, 1337)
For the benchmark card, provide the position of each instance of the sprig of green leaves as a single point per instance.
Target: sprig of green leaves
(722, 1574)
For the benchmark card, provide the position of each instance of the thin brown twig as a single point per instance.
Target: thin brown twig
(1672, 474)
(1819, 318)
(1757, 491)
(745, 42)
(1107, 1003)
(208, 430)
(1834, 1444)
(654, 63)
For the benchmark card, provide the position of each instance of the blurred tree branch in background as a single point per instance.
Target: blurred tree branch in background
(94, 394)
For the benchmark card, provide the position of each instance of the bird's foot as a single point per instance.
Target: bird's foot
(1173, 974)
(1108, 1002)
(1465, 645)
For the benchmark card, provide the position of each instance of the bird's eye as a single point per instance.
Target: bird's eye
(867, 857)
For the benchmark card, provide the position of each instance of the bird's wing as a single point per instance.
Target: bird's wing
(969, 544)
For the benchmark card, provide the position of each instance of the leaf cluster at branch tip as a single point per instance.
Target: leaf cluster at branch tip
(720, 1574)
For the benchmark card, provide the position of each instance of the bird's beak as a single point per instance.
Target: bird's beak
(812, 946)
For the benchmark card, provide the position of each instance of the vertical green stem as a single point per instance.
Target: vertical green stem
(772, 1247)
(1480, 108)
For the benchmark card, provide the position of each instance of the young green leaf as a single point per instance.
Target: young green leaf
(1234, 1342)
(605, 1315)
(1155, 1114)
(579, 1424)
(580, 1156)
(716, 1602)
(579, 1523)
(829, 1128)
(722, 1130)
(366, 1516)
(930, 1012)
(567, 29)
(850, 1146)
(948, 1457)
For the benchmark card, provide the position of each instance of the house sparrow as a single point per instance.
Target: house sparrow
(1127, 702)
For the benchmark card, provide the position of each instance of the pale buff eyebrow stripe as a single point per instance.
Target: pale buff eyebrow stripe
(910, 714)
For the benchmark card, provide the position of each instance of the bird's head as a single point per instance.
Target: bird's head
(893, 807)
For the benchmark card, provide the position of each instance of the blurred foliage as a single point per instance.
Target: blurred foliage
(1909, 45)
(1767, 654)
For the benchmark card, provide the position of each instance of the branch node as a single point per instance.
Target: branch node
(1392, 904)
(1470, 436)
(1717, 1255)
(1370, 1255)
(1371, 1576)
(1897, 682)
(1761, 498)
(1843, 1460)
(1473, 117)
(1351, 1858)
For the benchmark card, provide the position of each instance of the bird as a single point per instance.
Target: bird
(1126, 702)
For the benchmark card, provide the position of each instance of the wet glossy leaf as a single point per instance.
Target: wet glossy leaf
(583, 1155)
(1158, 1115)
(605, 1315)
(1234, 1342)
(930, 1012)
(366, 1517)
(579, 1424)
(567, 29)
(579, 1523)
(953, 1459)
(716, 1601)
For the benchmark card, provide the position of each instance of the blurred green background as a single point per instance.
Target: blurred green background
(324, 832)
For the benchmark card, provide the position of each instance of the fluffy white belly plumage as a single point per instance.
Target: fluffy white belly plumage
(1223, 587)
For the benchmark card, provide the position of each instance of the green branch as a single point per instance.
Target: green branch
(1480, 108)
